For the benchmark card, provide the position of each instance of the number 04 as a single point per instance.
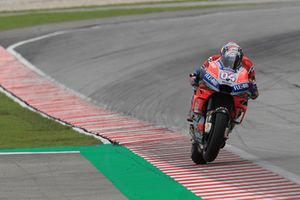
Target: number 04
(226, 76)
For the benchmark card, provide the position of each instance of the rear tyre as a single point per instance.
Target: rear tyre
(216, 137)
(197, 156)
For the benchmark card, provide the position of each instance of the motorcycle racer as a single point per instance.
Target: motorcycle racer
(231, 56)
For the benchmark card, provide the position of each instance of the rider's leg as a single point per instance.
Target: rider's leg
(198, 117)
(189, 115)
(198, 122)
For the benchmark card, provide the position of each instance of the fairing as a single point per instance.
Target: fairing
(217, 78)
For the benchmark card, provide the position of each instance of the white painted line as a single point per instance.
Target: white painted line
(195, 168)
(11, 49)
(238, 175)
(254, 189)
(234, 179)
(236, 196)
(170, 148)
(167, 155)
(23, 104)
(225, 169)
(240, 180)
(37, 153)
(176, 163)
(277, 170)
(109, 126)
(139, 129)
(255, 196)
(273, 183)
(231, 173)
(202, 184)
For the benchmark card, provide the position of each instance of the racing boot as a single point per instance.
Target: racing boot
(198, 123)
(189, 116)
(197, 135)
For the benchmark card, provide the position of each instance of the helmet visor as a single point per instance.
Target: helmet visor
(231, 59)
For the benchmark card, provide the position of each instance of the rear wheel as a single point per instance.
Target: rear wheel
(216, 137)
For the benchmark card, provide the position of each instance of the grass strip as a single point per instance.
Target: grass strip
(20, 128)
(38, 18)
(162, 2)
(132, 175)
(152, 3)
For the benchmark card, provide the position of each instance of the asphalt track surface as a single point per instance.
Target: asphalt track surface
(140, 67)
(53, 176)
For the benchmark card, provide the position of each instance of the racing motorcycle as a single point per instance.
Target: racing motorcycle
(225, 93)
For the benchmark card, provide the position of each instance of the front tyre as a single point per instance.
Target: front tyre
(197, 155)
(216, 137)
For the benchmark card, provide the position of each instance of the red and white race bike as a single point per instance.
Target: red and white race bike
(222, 98)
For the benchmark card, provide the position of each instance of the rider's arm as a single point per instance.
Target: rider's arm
(251, 76)
(200, 71)
(247, 63)
(253, 89)
(197, 75)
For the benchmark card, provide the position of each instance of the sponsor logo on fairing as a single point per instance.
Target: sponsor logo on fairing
(241, 87)
(211, 81)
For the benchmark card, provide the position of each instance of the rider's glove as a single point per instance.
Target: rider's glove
(201, 72)
(253, 91)
(193, 80)
(197, 76)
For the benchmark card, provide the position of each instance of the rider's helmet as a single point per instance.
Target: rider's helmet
(231, 55)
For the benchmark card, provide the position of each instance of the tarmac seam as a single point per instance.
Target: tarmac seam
(38, 153)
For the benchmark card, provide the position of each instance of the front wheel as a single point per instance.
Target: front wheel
(197, 155)
(216, 137)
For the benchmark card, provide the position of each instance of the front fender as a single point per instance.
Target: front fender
(222, 110)
(210, 114)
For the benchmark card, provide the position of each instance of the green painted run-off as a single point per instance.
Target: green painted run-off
(132, 175)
